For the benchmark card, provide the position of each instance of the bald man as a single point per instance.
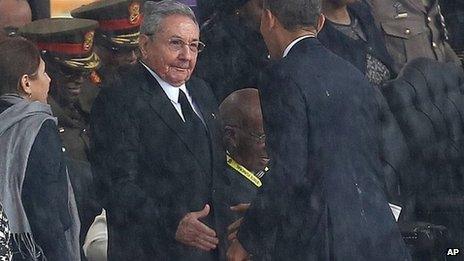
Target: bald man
(244, 141)
(13, 14)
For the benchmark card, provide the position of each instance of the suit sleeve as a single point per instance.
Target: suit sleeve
(286, 127)
(44, 193)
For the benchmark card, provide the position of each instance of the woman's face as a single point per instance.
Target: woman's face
(40, 84)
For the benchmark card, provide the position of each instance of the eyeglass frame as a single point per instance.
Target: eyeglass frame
(183, 43)
(258, 138)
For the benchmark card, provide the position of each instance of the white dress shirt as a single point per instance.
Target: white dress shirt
(290, 46)
(173, 94)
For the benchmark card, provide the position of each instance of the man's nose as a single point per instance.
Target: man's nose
(79, 80)
(186, 54)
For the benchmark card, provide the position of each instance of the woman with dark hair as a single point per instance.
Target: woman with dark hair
(34, 186)
(351, 33)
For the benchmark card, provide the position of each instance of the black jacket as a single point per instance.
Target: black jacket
(355, 51)
(148, 169)
(233, 58)
(45, 193)
(322, 194)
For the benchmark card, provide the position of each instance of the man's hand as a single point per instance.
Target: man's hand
(233, 228)
(236, 252)
(240, 208)
(192, 232)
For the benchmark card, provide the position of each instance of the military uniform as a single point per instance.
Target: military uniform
(413, 30)
(118, 31)
(67, 47)
(73, 122)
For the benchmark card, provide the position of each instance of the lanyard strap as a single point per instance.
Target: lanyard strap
(242, 170)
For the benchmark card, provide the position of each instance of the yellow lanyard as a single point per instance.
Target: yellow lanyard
(242, 170)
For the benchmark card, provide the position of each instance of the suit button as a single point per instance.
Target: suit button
(434, 45)
(407, 31)
(429, 19)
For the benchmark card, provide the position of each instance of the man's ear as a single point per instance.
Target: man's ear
(268, 20)
(24, 84)
(320, 23)
(230, 138)
(143, 42)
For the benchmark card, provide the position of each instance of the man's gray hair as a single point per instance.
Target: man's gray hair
(295, 14)
(155, 12)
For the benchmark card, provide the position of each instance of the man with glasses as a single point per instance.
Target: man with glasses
(155, 145)
(244, 141)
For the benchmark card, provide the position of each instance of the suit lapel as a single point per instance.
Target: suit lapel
(161, 104)
(201, 104)
(208, 116)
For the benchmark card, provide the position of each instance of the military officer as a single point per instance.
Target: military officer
(412, 29)
(117, 37)
(67, 47)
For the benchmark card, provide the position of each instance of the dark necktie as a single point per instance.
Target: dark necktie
(191, 118)
(196, 131)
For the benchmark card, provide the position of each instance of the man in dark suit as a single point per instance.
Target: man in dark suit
(235, 52)
(322, 194)
(244, 140)
(156, 147)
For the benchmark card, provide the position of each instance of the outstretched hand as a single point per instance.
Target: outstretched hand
(192, 232)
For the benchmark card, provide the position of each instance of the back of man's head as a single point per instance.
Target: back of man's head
(239, 107)
(295, 14)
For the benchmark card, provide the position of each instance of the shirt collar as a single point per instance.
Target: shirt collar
(171, 91)
(290, 46)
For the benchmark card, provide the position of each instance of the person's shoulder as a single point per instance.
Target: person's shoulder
(123, 84)
(200, 84)
(48, 137)
(214, 30)
(361, 8)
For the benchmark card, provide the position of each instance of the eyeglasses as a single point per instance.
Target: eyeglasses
(259, 138)
(177, 45)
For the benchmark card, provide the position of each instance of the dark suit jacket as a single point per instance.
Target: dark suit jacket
(322, 194)
(147, 168)
(233, 58)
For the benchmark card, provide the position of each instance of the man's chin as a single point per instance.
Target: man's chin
(178, 81)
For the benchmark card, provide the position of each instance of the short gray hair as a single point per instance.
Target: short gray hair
(155, 12)
(295, 14)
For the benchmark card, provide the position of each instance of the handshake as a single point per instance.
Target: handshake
(192, 232)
